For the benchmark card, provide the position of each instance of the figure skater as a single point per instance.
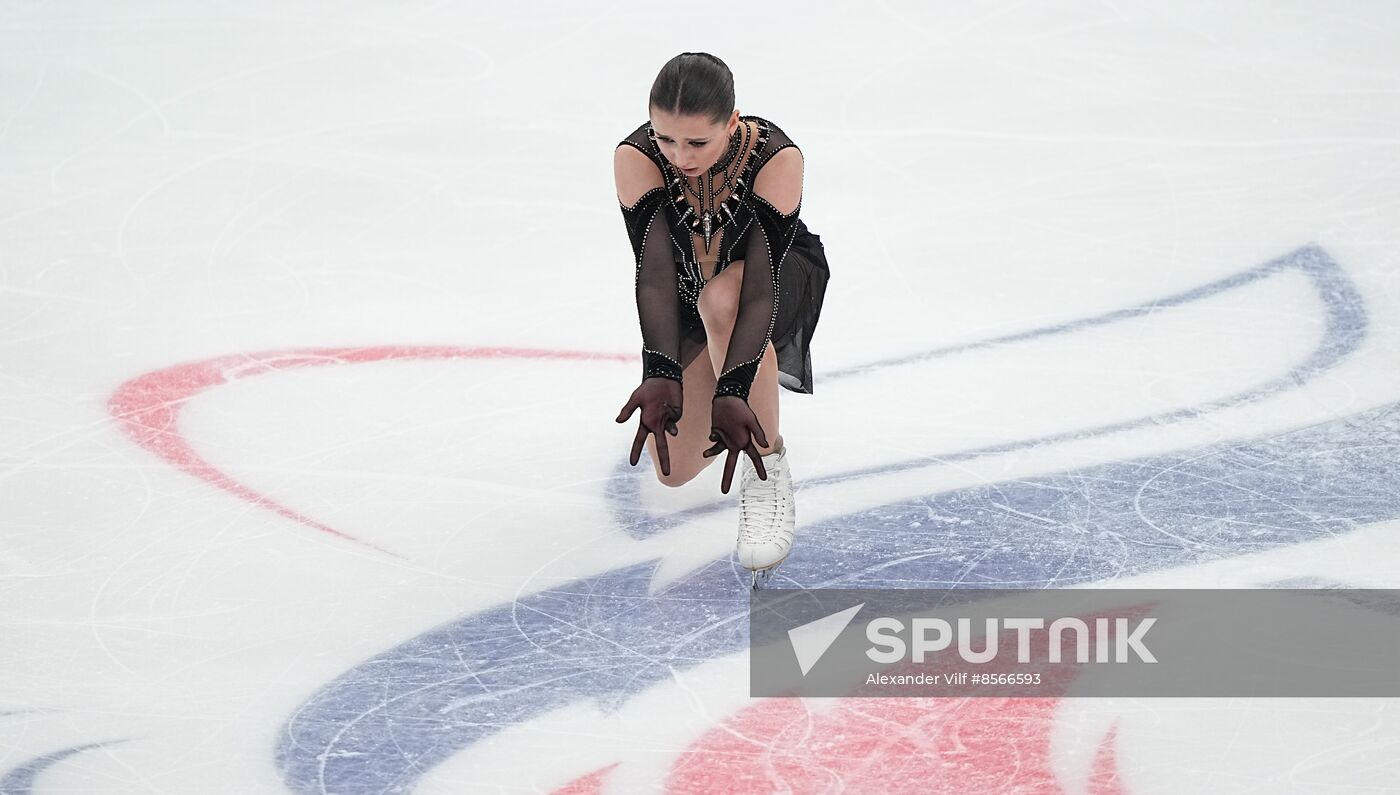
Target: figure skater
(724, 267)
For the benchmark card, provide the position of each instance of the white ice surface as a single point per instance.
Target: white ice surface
(180, 182)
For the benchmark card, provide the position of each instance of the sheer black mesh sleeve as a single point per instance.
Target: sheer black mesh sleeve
(758, 296)
(658, 309)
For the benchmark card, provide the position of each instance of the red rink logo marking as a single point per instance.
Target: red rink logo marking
(880, 745)
(148, 407)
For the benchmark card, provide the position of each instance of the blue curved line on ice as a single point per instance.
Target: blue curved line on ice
(603, 639)
(1345, 319)
(1311, 259)
(20, 780)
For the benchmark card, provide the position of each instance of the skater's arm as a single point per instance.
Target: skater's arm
(659, 397)
(642, 197)
(776, 199)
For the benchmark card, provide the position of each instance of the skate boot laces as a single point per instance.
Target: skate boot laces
(766, 515)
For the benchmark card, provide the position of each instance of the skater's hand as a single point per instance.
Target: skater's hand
(660, 400)
(734, 427)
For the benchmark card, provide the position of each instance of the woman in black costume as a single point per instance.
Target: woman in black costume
(724, 267)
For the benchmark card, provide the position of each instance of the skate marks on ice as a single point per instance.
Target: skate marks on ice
(606, 638)
(148, 410)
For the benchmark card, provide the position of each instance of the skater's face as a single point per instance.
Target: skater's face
(692, 143)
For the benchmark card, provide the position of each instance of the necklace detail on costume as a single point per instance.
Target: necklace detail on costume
(699, 191)
(710, 219)
(728, 156)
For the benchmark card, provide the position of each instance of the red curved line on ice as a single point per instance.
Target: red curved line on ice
(983, 769)
(148, 407)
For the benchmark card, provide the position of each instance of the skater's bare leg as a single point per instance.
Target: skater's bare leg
(693, 437)
(719, 307)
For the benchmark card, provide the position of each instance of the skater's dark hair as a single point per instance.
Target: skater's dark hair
(694, 84)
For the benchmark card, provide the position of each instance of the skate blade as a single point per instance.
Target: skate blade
(762, 576)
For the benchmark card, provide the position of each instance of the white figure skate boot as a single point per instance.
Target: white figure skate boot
(767, 515)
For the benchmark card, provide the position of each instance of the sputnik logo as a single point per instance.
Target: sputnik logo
(811, 640)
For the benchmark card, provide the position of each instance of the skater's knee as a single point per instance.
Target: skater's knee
(718, 304)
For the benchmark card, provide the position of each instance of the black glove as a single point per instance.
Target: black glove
(733, 427)
(660, 400)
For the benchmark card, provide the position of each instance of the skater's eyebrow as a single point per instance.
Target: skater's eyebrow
(667, 137)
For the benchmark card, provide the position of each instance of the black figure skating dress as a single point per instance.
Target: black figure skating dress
(785, 270)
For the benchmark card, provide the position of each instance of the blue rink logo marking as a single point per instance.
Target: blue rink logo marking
(385, 723)
(21, 779)
(604, 639)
